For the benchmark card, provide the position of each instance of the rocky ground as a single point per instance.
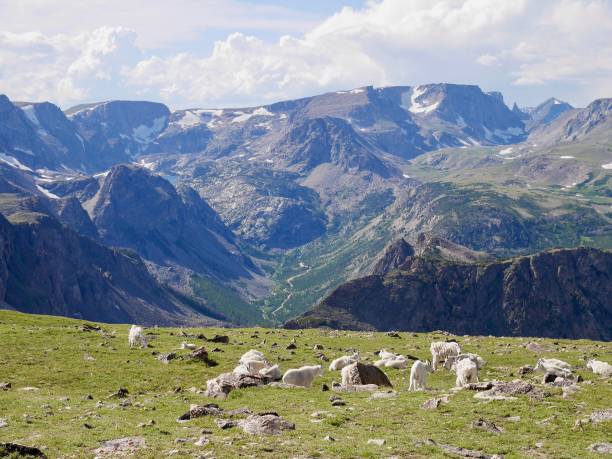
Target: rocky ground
(72, 390)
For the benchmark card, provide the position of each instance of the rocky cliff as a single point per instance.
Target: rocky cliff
(558, 293)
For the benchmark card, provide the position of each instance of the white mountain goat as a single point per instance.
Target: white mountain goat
(303, 376)
(556, 366)
(339, 363)
(385, 354)
(272, 372)
(399, 362)
(441, 350)
(137, 336)
(479, 361)
(600, 368)
(418, 375)
(467, 372)
(251, 363)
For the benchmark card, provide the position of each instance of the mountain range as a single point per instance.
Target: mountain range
(253, 215)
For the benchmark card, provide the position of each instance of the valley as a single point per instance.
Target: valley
(255, 215)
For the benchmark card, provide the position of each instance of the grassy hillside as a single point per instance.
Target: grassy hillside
(73, 372)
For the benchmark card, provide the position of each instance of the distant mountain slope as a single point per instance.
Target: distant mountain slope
(137, 209)
(118, 131)
(546, 113)
(593, 122)
(46, 268)
(38, 135)
(558, 293)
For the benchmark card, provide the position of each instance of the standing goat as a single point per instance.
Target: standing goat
(136, 336)
(418, 375)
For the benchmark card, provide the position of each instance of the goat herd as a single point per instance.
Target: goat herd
(448, 353)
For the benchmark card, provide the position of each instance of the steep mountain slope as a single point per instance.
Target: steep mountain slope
(38, 135)
(134, 208)
(559, 293)
(118, 131)
(546, 113)
(46, 268)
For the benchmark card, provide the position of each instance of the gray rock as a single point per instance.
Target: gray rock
(266, 424)
(376, 441)
(126, 446)
(359, 374)
(602, 448)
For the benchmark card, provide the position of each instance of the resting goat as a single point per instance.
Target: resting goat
(599, 367)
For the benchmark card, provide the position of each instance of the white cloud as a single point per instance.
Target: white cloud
(509, 45)
(59, 67)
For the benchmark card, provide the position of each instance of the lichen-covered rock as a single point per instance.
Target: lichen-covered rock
(266, 424)
(223, 384)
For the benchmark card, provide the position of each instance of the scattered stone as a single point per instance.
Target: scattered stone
(202, 441)
(201, 355)
(15, 450)
(212, 409)
(291, 346)
(508, 391)
(360, 388)
(90, 328)
(324, 387)
(3, 423)
(329, 438)
(513, 418)
(601, 416)
(383, 395)
(89, 357)
(525, 370)
(393, 334)
(120, 447)
(221, 339)
(483, 385)
(166, 358)
(147, 424)
(319, 414)
(486, 425)
(226, 382)
(88, 426)
(463, 451)
(225, 423)
(317, 347)
(5, 385)
(431, 404)
(121, 393)
(265, 424)
(534, 347)
(603, 448)
(321, 356)
(376, 441)
(28, 389)
(358, 374)
(338, 402)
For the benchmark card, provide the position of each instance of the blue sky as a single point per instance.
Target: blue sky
(218, 53)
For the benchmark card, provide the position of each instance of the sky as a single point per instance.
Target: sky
(231, 53)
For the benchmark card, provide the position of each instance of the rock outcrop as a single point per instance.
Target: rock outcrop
(557, 293)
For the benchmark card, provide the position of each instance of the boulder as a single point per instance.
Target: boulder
(358, 374)
(15, 450)
(265, 424)
(226, 382)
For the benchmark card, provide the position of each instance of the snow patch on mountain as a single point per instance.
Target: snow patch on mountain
(47, 193)
(30, 112)
(607, 166)
(145, 134)
(14, 162)
(242, 116)
(416, 106)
